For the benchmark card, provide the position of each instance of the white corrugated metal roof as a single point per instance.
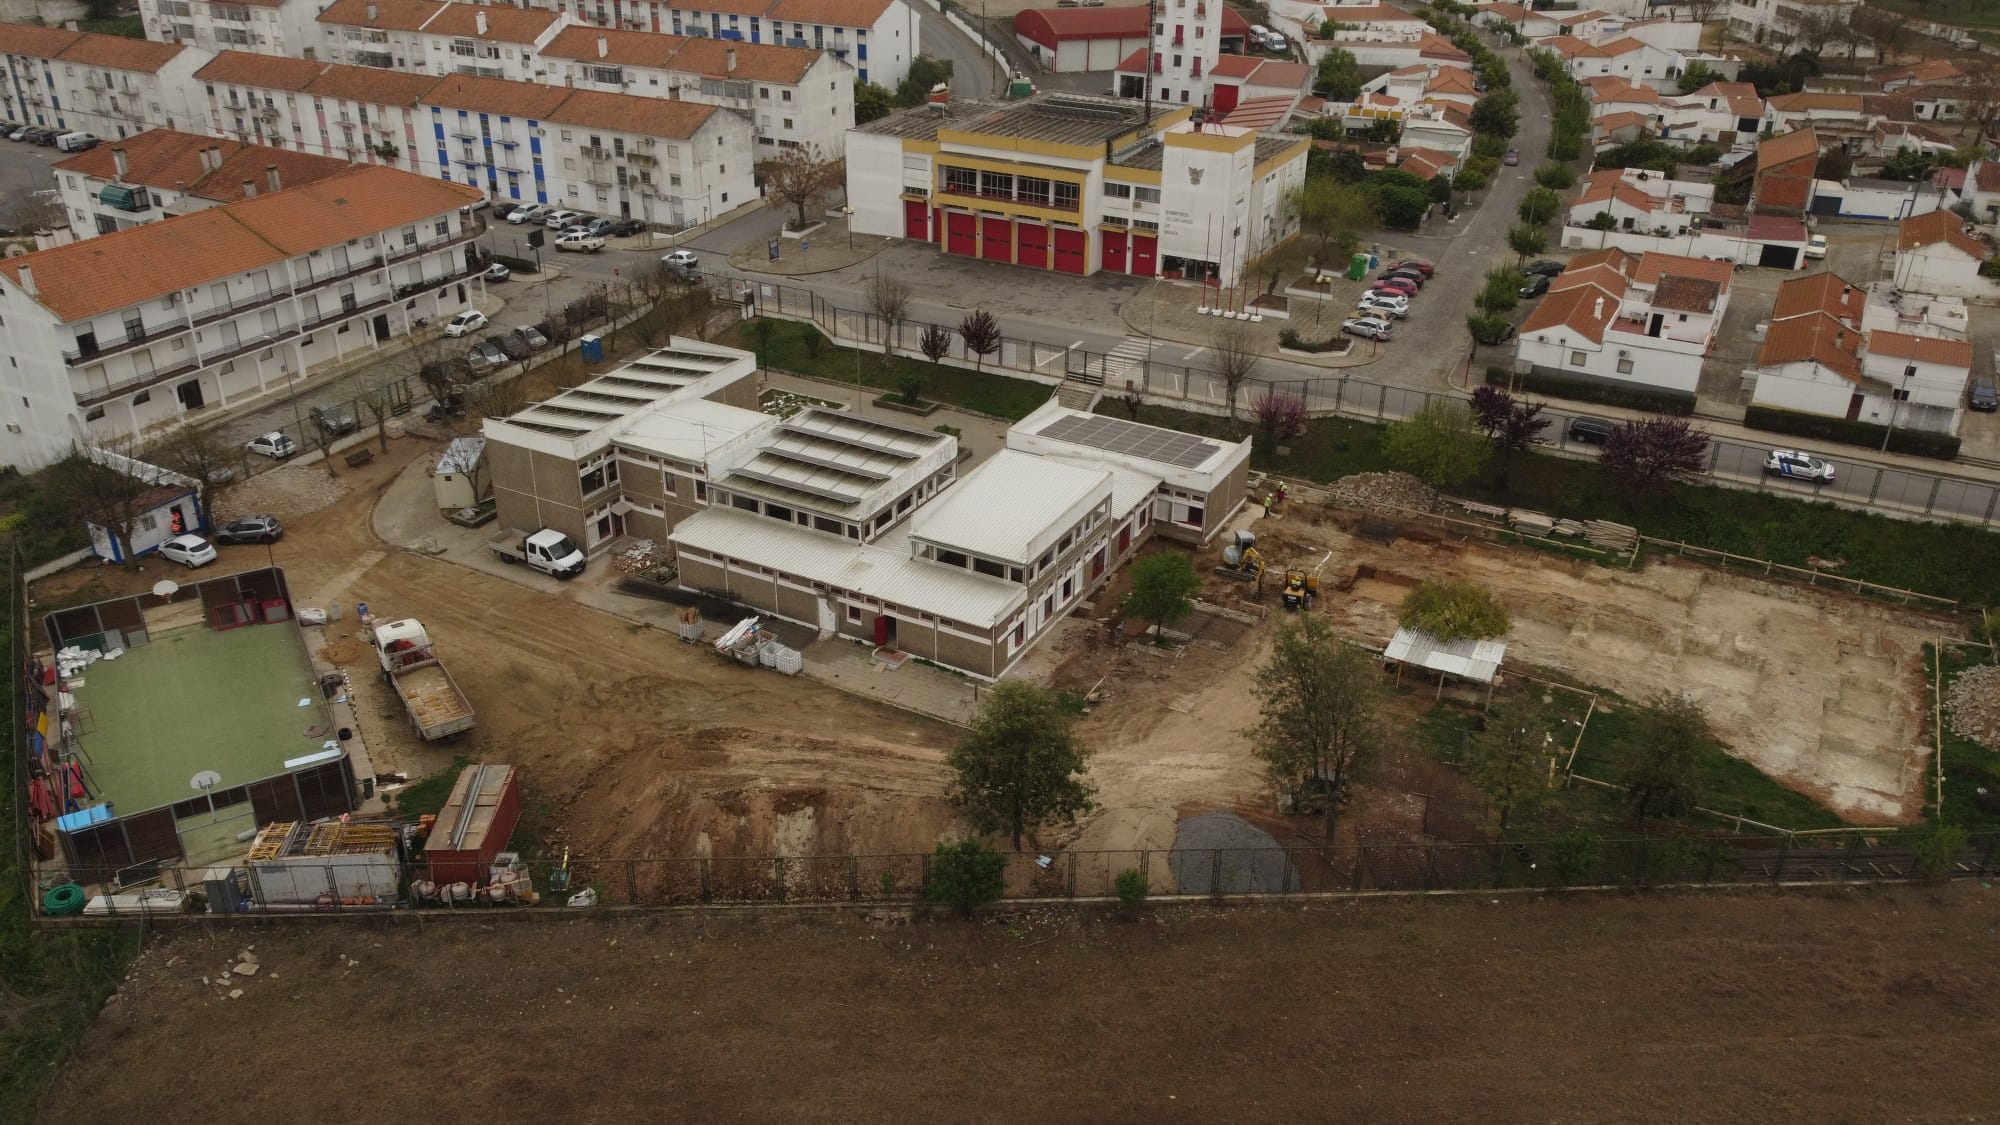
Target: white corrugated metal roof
(883, 570)
(461, 455)
(1473, 660)
(1006, 507)
(1129, 487)
(695, 429)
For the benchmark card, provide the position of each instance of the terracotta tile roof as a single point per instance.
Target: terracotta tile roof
(1622, 120)
(1506, 11)
(1922, 349)
(1799, 103)
(165, 159)
(755, 62)
(33, 42)
(367, 199)
(1601, 277)
(1277, 74)
(495, 95)
(1451, 80)
(1938, 226)
(1611, 88)
(1616, 48)
(1951, 179)
(1228, 66)
(1825, 293)
(830, 13)
(1895, 107)
(116, 52)
(1611, 255)
(1814, 337)
(1260, 113)
(1568, 46)
(1653, 267)
(1775, 228)
(504, 24)
(1687, 294)
(373, 86)
(1786, 147)
(1582, 17)
(268, 72)
(1610, 184)
(390, 15)
(1584, 310)
(1135, 63)
(1051, 26)
(621, 48)
(1986, 174)
(626, 113)
(1438, 47)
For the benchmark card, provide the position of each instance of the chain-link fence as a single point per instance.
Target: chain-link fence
(1575, 861)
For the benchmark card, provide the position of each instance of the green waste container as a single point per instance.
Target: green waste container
(1357, 267)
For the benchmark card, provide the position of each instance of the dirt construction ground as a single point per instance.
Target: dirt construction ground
(1822, 1006)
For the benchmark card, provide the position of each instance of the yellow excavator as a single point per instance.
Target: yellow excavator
(1241, 559)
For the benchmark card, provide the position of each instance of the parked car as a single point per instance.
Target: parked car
(250, 529)
(1816, 246)
(528, 213)
(8, 129)
(1417, 264)
(1372, 327)
(1383, 303)
(188, 550)
(498, 271)
(561, 220)
(486, 353)
(1544, 267)
(513, 343)
(1394, 285)
(335, 420)
(1536, 286)
(599, 227)
(76, 142)
(1513, 157)
(580, 241)
(1408, 275)
(683, 265)
(47, 137)
(471, 320)
(1982, 395)
(533, 336)
(1590, 431)
(625, 228)
(276, 445)
(1799, 466)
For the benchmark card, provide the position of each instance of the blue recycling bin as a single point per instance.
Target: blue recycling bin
(593, 349)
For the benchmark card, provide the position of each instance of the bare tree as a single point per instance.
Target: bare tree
(1235, 356)
(193, 451)
(800, 179)
(890, 298)
(935, 343)
(100, 494)
(1701, 10)
(37, 212)
(387, 396)
(1815, 27)
(1887, 31)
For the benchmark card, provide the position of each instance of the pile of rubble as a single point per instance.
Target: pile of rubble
(1972, 705)
(642, 556)
(294, 490)
(1386, 493)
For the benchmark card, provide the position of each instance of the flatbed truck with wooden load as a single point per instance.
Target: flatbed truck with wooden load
(437, 708)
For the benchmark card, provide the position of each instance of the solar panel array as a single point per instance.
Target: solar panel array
(1115, 435)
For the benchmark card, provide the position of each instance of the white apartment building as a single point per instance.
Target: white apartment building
(438, 37)
(1641, 200)
(662, 160)
(118, 335)
(267, 27)
(1935, 254)
(794, 95)
(1076, 184)
(1612, 318)
(1626, 57)
(878, 38)
(1775, 23)
(160, 173)
(354, 113)
(106, 85)
(1821, 357)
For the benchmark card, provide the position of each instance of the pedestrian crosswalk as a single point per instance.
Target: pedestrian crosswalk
(1125, 362)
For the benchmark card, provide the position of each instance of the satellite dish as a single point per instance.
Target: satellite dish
(204, 781)
(166, 588)
(16, 250)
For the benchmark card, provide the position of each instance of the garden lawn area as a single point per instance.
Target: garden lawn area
(1946, 560)
(1967, 13)
(983, 392)
(1968, 766)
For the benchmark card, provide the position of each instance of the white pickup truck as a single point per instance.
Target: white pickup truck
(438, 709)
(550, 552)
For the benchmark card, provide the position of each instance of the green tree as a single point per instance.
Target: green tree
(1333, 213)
(1485, 328)
(1603, 220)
(1573, 856)
(1321, 704)
(1539, 206)
(1937, 849)
(965, 875)
(1469, 180)
(1131, 888)
(871, 101)
(1500, 292)
(1401, 207)
(1907, 164)
(1555, 176)
(1020, 765)
(1496, 114)
(1440, 444)
(1510, 758)
(1663, 759)
(1525, 240)
(925, 73)
(1696, 76)
(1384, 131)
(1438, 188)
(1163, 588)
(1453, 609)
(1339, 76)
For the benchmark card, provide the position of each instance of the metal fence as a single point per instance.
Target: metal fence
(1886, 487)
(1733, 860)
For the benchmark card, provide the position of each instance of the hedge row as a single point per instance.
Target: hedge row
(1584, 390)
(1917, 443)
(1289, 338)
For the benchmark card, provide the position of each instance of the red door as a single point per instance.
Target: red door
(1145, 255)
(1072, 250)
(960, 234)
(1224, 98)
(1124, 539)
(1114, 251)
(999, 243)
(1031, 245)
(916, 219)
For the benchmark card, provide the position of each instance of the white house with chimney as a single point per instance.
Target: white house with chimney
(1611, 318)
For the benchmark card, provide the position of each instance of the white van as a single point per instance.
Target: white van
(75, 142)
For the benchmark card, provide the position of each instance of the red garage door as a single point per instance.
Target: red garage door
(999, 244)
(959, 236)
(1031, 245)
(916, 219)
(1114, 251)
(1072, 250)
(1145, 255)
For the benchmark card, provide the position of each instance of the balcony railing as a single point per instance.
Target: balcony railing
(137, 383)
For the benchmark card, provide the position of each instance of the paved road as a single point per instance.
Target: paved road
(24, 169)
(972, 69)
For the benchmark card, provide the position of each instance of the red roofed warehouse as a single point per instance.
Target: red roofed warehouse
(1068, 40)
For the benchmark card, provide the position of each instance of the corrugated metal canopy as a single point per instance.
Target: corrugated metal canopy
(1468, 659)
